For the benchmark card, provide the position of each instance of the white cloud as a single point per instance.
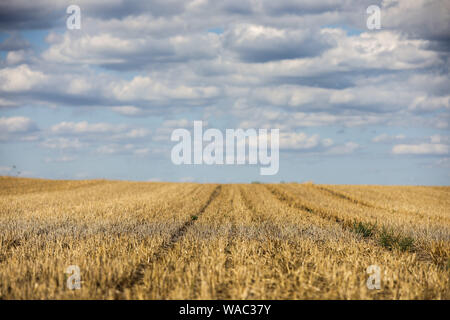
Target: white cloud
(301, 141)
(128, 110)
(438, 145)
(437, 138)
(113, 149)
(146, 88)
(63, 143)
(16, 124)
(128, 149)
(17, 128)
(16, 57)
(388, 138)
(20, 78)
(59, 159)
(134, 133)
(99, 130)
(346, 148)
(85, 127)
(422, 148)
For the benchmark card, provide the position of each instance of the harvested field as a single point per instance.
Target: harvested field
(136, 240)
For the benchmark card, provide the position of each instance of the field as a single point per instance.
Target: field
(135, 240)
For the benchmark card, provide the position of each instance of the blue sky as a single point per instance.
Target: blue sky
(353, 105)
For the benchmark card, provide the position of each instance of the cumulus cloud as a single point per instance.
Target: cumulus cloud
(16, 124)
(346, 148)
(421, 18)
(125, 52)
(388, 138)
(16, 57)
(425, 103)
(20, 128)
(301, 141)
(63, 143)
(438, 145)
(422, 148)
(59, 159)
(122, 149)
(85, 127)
(20, 78)
(128, 111)
(256, 43)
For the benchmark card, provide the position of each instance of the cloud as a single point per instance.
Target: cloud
(346, 148)
(164, 132)
(417, 22)
(20, 78)
(17, 128)
(422, 148)
(4, 103)
(60, 159)
(128, 111)
(146, 88)
(438, 145)
(63, 143)
(241, 63)
(257, 43)
(16, 124)
(114, 149)
(85, 127)
(437, 138)
(388, 138)
(42, 14)
(335, 85)
(23, 14)
(16, 57)
(425, 103)
(125, 52)
(122, 149)
(109, 131)
(289, 121)
(301, 141)
(289, 7)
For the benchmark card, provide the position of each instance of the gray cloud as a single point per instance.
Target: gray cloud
(256, 43)
(280, 64)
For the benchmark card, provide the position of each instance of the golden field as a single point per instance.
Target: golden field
(136, 240)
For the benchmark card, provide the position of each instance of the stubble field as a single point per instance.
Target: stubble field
(134, 240)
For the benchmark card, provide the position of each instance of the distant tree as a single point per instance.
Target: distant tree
(14, 170)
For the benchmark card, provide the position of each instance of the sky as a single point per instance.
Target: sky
(353, 105)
